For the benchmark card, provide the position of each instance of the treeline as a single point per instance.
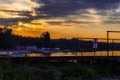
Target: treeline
(8, 41)
(6, 38)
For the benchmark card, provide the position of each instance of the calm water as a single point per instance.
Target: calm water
(98, 53)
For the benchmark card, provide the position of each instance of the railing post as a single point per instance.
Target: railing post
(107, 43)
(112, 47)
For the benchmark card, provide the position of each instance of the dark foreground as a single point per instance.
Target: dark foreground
(84, 69)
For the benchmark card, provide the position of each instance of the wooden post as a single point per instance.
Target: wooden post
(80, 46)
(110, 39)
(94, 52)
(112, 47)
(107, 43)
(76, 45)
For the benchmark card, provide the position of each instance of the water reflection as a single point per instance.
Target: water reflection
(35, 55)
(56, 54)
(64, 54)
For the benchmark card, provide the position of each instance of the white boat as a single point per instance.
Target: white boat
(17, 55)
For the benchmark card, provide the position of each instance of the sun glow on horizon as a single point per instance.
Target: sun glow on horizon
(80, 19)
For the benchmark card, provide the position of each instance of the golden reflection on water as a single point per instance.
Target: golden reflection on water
(63, 54)
(35, 55)
(98, 53)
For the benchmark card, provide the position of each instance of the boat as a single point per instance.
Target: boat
(17, 55)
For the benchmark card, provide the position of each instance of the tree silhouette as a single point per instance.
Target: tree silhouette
(6, 38)
(46, 39)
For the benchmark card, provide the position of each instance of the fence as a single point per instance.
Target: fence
(104, 47)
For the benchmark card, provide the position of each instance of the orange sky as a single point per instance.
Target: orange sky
(82, 20)
(93, 30)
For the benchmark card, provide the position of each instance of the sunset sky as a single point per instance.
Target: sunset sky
(62, 18)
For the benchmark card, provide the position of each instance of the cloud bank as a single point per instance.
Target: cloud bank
(104, 11)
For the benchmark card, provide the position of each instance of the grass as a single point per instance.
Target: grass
(55, 71)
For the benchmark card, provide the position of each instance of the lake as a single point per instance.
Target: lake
(98, 53)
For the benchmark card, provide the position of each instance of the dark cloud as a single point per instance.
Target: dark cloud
(64, 22)
(58, 8)
(54, 23)
(19, 13)
(79, 22)
(13, 21)
(111, 22)
(64, 7)
(103, 4)
(8, 21)
(24, 16)
(36, 23)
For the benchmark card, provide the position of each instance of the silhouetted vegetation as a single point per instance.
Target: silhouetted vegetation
(10, 41)
(45, 37)
(58, 71)
(6, 38)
